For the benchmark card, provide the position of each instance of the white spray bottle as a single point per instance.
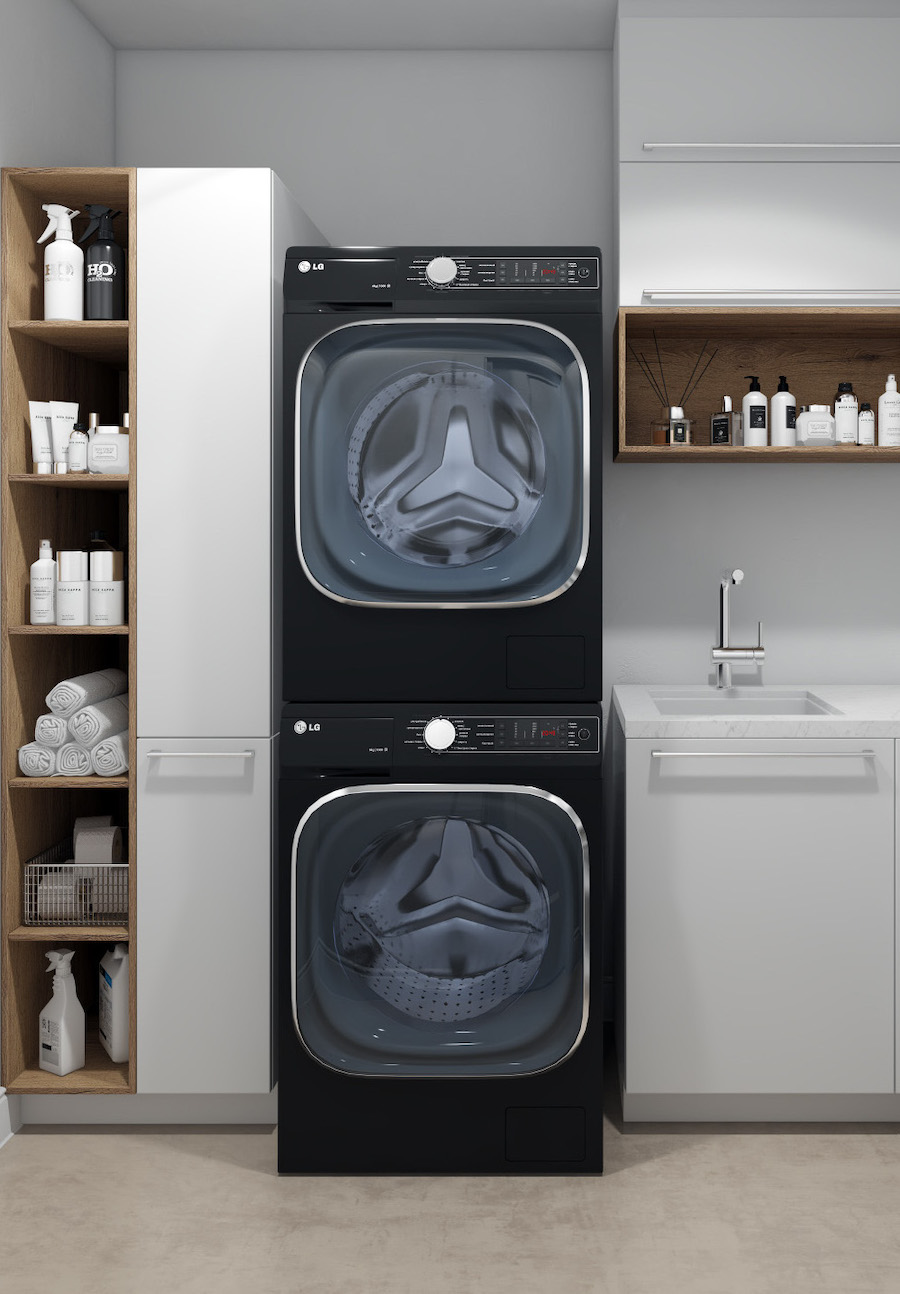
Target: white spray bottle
(63, 266)
(114, 1002)
(61, 1043)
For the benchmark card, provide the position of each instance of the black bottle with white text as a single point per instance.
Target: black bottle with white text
(104, 268)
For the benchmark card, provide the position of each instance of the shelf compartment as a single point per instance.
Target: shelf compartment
(69, 783)
(61, 630)
(92, 481)
(105, 341)
(76, 934)
(99, 1077)
(816, 347)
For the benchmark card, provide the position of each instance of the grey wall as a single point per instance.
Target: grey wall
(57, 87)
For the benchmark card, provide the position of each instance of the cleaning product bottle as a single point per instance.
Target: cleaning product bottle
(62, 1020)
(846, 415)
(754, 410)
(42, 591)
(104, 267)
(63, 267)
(784, 415)
(866, 424)
(889, 414)
(114, 1002)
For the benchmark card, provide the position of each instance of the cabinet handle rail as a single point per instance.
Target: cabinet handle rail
(762, 754)
(200, 754)
(649, 147)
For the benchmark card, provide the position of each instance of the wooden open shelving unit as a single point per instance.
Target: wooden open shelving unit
(814, 346)
(95, 364)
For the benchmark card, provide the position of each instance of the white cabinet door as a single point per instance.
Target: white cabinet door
(204, 999)
(825, 228)
(757, 80)
(204, 357)
(759, 916)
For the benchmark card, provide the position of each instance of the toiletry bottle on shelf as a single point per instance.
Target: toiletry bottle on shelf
(93, 424)
(725, 426)
(42, 590)
(63, 267)
(866, 424)
(108, 450)
(889, 414)
(113, 998)
(41, 439)
(815, 426)
(76, 453)
(783, 415)
(679, 426)
(63, 416)
(61, 1031)
(107, 588)
(72, 588)
(104, 267)
(754, 408)
(846, 415)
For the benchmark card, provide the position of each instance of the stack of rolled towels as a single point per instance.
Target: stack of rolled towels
(86, 730)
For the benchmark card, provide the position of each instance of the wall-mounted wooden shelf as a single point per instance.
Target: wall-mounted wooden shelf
(814, 346)
(95, 364)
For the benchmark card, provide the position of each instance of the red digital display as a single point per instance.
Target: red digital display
(548, 732)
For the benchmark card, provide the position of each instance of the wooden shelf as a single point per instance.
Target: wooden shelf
(61, 630)
(103, 340)
(91, 782)
(77, 934)
(90, 481)
(815, 346)
(99, 1077)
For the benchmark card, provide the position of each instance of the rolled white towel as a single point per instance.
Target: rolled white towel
(50, 730)
(110, 757)
(97, 722)
(86, 689)
(36, 760)
(73, 760)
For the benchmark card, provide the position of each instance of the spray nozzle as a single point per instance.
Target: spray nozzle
(60, 221)
(101, 218)
(60, 961)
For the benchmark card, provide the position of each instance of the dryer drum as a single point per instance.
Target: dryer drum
(445, 918)
(446, 464)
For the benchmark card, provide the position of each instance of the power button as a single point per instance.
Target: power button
(584, 734)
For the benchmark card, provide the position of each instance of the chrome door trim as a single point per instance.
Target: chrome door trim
(450, 788)
(586, 473)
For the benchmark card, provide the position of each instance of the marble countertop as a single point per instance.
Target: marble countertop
(855, 710)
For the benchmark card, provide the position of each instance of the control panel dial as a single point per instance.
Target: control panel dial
(439, 734)
(441, 271)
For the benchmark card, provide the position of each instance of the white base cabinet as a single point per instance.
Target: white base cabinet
(758, 917)
(204, 1007)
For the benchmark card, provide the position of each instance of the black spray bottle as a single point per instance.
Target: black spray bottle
(104, 268)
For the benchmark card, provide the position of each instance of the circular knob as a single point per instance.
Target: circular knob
(439, 734)
(441, 271)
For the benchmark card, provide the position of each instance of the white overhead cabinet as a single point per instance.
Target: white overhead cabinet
(758, 921)
(209, 308)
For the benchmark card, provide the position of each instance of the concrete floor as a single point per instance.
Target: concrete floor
(802, 1209)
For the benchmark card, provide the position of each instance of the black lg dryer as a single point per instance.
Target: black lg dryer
(441, 491)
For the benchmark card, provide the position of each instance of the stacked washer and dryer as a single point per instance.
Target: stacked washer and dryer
(439, 788)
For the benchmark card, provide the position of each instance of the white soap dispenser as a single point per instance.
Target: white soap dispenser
(42, 589)
(114, 1002)
(754, 410)
(63, 266)
(784, 415)
(61, 1042)
(889, 414)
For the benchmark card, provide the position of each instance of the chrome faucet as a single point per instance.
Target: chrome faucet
(724, 654)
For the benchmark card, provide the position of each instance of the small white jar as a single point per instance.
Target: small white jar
(815, 426)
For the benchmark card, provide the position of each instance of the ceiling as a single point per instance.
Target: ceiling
(354, 24)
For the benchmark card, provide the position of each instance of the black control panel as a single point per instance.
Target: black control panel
(456, 734)
(463, 273)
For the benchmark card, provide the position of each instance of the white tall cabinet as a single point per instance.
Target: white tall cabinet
(209, 380)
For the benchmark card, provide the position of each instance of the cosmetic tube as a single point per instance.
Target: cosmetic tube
(72, 588)
(107, 588)
(63, 416)
(41, 450)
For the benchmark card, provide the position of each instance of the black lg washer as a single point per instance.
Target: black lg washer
(441, 474)
(436, 927)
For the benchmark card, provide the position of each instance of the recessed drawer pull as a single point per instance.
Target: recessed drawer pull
(649, 147)
(200, 754)
(762, 754)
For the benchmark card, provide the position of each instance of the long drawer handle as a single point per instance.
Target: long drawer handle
(200, 754)
(762, 754)
(648, 147)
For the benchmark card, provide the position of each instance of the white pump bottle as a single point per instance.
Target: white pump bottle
(889, 414)
(63, 267)
(61, 1042)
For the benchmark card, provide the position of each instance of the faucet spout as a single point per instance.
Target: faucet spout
(724, 653)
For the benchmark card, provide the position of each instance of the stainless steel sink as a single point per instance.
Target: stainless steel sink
(738, 701)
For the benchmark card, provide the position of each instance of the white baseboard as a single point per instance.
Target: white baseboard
(10, 1116)
(764, 1107)
(137, 1109)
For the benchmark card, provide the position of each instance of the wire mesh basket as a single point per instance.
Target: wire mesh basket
(60, 892)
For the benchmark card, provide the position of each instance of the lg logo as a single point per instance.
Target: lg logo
(301, 726)
(305, 266)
